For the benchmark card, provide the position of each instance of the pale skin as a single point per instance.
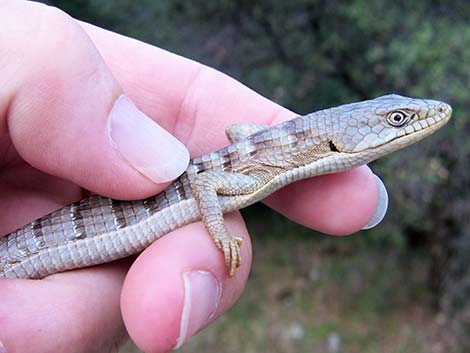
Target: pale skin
(41, 88)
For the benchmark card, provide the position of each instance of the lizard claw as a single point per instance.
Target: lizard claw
(230, 246)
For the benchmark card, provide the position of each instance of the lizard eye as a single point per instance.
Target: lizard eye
(397, 118)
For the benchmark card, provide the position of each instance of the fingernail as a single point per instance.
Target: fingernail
(382, 205)
(201, 298)
(2, 348)
(144, 144)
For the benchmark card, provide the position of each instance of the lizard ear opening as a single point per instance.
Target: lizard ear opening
(333, 147)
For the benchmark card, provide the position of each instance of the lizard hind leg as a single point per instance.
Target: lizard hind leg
(206, 187)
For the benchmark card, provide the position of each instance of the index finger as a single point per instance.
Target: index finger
(196, 103)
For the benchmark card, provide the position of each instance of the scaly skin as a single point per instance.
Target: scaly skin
(260, 161)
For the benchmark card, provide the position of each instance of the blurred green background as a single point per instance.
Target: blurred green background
(402, 287)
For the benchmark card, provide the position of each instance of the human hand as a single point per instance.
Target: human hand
(61, 89)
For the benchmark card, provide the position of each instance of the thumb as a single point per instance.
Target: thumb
(69, 117)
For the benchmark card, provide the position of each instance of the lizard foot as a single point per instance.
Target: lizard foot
(230, 246)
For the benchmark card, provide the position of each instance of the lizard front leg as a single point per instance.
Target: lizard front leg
(206, 187)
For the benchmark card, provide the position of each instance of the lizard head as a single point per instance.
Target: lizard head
(379, 126)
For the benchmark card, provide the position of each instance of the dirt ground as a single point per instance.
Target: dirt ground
(313, 293)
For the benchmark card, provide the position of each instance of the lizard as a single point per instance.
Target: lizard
(260, 160)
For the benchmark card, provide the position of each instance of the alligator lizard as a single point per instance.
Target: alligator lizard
(260, 160)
